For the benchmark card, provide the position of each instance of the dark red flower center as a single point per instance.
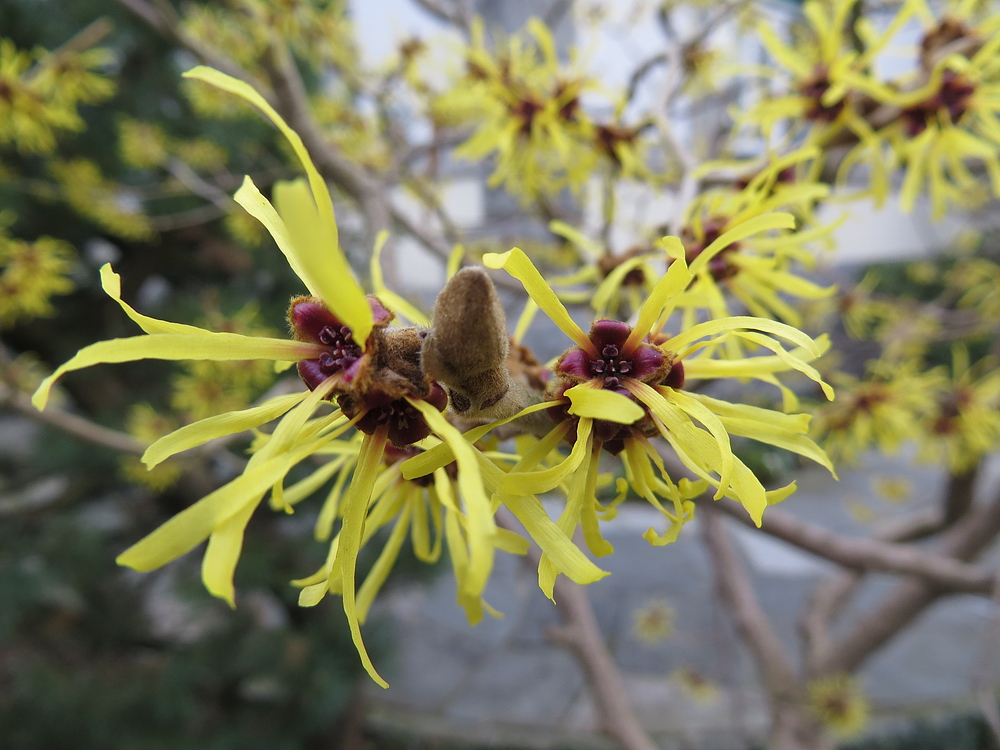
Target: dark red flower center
(719, 266)
(311, 321)
(814, 90)
(951, 101)
(406, 425)
(610, 363)
(613, 362)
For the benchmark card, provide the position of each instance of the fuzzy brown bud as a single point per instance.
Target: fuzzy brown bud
(467, 347)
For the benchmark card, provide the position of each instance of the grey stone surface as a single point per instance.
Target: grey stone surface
(504, 681)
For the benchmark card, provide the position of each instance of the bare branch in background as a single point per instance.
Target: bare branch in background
(194, 182)
(963, 541)
(736, 590)
(165, 21)
(870, 554)
(71, 423)
(89, 37)
(827, 600)
(582, 634)
(793, 726)
(457, 13)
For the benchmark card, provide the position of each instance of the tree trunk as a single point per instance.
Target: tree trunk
(794, 728)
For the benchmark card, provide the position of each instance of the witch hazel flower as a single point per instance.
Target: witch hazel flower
(345, 351)
(622, 386)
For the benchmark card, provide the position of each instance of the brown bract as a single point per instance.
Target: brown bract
(374, 381)
(467, 345)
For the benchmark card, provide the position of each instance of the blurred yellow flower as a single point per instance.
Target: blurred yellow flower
(893, 489)
(695, 685)
(526, 112)
(146, 425)
(653, 622)
(31, 273)
(882, 411)
(963, 423)
(839, 702)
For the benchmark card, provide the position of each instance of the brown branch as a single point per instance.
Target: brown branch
(291, 100)
(964, 541)
(165, 21)
(831, 595)
(793, 727)
(775, 667)
(456, 16)
(199, 186)
(71, 423)
(293, 104)
(582, 634)
(870, 554)
(912, 528)
(640, 73)
(959, 494)
(825, 603)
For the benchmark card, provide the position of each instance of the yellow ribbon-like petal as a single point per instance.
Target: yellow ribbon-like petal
(699, 451)
(195, 524)
(559, 548)
(739, 232)
(543, 480)
(298, 231)
(672, 283)
(112, 285)
(598, 403)
(355, 510)
(516, 263)
(389, 298)
(200, 432)
(244, 90)
(454, 261)
(744, 322)
(218, 566)
(383, 565)
(441, 455)
(477, 506)
(569, 519)
(714, 425)
(316, 243)
(221, 347)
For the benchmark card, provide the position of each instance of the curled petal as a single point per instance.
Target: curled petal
(220, 347)
(516, 263)
(200, 432)
(598, 403)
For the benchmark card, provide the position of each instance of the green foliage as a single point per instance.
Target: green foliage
(960, 732)
(84, 669)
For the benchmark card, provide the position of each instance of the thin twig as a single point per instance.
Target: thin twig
(184, 219)
(90, 36)
(71, 423)
(966, 539)
(168, 24)
(199, 186)
(870, 554)
(819, 613)
(734, 586)
(581, 633)
(831, 595)
(640, 73)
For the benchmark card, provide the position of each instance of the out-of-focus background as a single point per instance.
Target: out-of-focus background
(93, 656)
